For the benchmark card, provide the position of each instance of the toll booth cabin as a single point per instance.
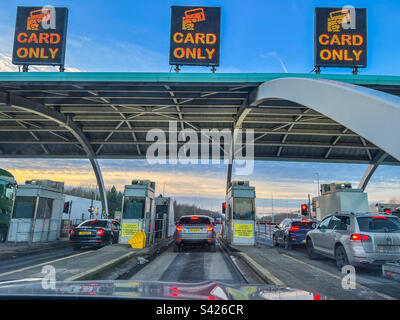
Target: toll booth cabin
(37, 212)
(138, 210)
(165, 217)
(339, 197)
(240, 213)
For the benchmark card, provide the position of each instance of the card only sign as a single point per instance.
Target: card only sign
(195, 36)
(340, 37)
(40, 36)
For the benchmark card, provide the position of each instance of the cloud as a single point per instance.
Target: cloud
(288, 183)
(7, 66)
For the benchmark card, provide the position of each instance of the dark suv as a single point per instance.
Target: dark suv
(194, 230)
(292, 231)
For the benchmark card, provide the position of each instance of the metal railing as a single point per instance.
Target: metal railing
(265, 230)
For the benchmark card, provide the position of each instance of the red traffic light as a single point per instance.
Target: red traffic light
(304, 209)
(66, 207)
(223, 207)
(388, 211)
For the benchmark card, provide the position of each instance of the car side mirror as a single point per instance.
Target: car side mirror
(276, 227)
(314, 225)
(213, 223)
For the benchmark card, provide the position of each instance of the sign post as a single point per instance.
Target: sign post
(340, 38)
(40, 36)
(195, 36)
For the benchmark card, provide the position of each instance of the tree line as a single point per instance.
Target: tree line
(114, 201)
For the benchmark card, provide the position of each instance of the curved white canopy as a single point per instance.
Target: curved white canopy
(372, 114)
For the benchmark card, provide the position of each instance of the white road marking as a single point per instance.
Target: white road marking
(43, 264)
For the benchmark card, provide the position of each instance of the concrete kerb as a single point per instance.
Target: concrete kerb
(91, 274)
(263, 273)
(6, 253)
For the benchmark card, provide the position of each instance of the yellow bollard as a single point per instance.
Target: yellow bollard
(138, 241)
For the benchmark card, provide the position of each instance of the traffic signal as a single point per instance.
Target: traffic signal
(304, 210)
(388, 211)
(66, 207)
(223, 207)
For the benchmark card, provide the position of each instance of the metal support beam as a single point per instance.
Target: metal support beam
(371, 169)
(38, 109)
(243, 111)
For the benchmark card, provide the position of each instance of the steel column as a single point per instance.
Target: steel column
(39, 109)
(371, 169)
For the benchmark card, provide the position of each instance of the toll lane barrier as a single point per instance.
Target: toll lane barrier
(138, 241)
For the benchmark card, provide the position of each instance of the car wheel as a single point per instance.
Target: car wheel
(212, 248)
(110, 240)
(310, 250)
(3, 235)
(341, 257)
(76, 247)
(176, 248)
(288, 246)
(275, 241)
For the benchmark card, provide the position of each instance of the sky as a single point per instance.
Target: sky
(257, 36)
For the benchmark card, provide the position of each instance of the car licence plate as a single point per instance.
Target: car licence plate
(389, 248)
(194, 230)
(82, 233)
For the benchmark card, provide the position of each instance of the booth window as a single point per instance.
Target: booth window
(45, 207)
(9, 192)
(24, 207)
(243, 209)
(134, 208)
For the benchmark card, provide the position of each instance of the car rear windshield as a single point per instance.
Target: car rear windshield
(302, 224)
(94, 224)
(380, 225)
(194, 220)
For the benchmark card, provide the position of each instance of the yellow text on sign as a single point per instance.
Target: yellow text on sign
(129, 229)
(243, 230)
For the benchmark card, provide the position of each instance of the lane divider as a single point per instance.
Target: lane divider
(87, 275)
(382, 295)
(43, 264)
(264, 273)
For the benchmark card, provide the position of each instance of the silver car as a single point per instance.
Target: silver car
(194, 230)
(359, 239)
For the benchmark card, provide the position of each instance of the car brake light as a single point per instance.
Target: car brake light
(379, 217)
(100, 232)
(359, 237)
(210, 228)
(194, 218)
(178, 228)
(72, 232)
(294, 229)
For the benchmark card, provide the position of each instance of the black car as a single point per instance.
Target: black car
(292, 231)
(97, 233)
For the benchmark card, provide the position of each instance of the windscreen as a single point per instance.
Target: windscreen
(302, 224)
(24, 207)
(197, 220)
(379, 225)
(243, 209)
(134, 208)
(94, 224)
